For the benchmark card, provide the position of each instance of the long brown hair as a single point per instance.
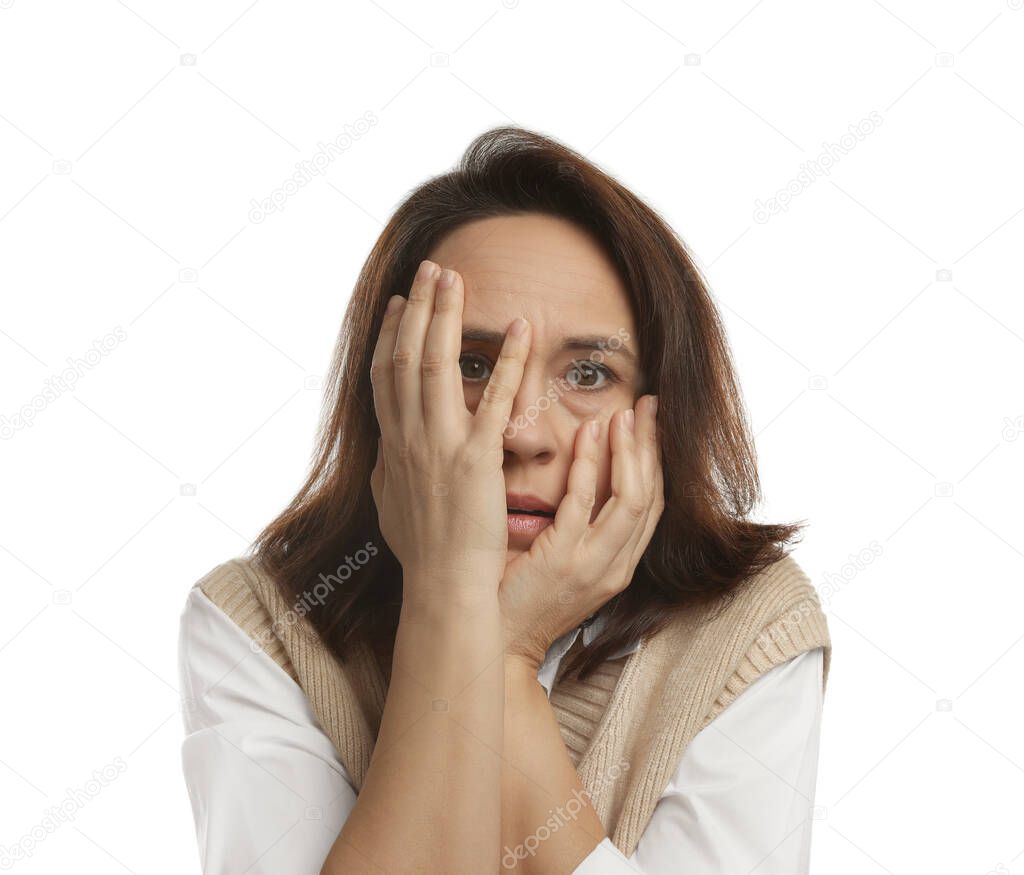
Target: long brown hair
(326, 550)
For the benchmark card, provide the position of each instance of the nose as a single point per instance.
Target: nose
(531, 431)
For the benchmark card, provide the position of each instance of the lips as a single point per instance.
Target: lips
(518, 502)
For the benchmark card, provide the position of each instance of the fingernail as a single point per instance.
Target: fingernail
(654, 404)
(393, 303)
(595, 429)
(518, 328)
(628, 418)
(447, 278)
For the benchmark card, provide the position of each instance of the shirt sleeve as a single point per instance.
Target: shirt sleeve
(269, 793)
(741, 798)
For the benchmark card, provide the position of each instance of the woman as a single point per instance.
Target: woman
(516, 617)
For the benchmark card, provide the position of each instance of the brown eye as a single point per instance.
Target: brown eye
(583, 372)
(472, 365)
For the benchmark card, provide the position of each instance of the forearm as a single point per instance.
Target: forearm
(540, 786)
(431, 799)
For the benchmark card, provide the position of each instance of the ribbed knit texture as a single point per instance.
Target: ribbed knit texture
(625, 728)
(580, 705)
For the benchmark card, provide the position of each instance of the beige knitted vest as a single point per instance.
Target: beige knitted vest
(625, 727)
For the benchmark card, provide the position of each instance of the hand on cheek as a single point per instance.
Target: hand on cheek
(590, 551)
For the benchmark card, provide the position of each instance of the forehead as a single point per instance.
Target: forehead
(542, 267)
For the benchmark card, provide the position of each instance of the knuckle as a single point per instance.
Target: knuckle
(495, 391)
(379, 371)
(636, 508)
(433, 366)
(586, 500)
(401, 359)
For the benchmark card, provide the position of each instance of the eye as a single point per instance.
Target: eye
(478, 363)
(583, 371)
(476, 369)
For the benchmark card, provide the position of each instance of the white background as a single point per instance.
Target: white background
(877, 326)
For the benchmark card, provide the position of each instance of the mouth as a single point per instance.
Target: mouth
(527, 504)
(528, 516)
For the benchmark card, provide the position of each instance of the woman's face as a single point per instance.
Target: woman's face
(583, 361)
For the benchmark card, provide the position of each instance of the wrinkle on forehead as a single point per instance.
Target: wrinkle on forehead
(531, 255)
(520, 282)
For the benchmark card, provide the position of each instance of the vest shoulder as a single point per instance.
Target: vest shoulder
(763, 596)
(775, 591)
(782, 617)
(773, 615)
(248, 596)
(224, 580)
(237, 587)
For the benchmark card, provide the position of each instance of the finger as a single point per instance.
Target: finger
(443, 396)
(644, 450)
(408, 353)
(658, 473)
(650, 458)
(495, 407)
(377, 479)
(572, 518)
(385, 401)
(659, 465)
(647, 442)
(622, 518)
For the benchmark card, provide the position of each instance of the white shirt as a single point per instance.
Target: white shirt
(270, 794)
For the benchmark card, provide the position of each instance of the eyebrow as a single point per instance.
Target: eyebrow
(581, 342)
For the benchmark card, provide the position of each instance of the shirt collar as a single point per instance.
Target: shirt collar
(591, 628)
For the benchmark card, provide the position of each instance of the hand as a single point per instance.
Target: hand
(573, 567)
(438, 483)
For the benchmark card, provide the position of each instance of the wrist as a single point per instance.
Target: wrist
(521, 665)
(431, 598)
(450, 615)
(521, 649)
